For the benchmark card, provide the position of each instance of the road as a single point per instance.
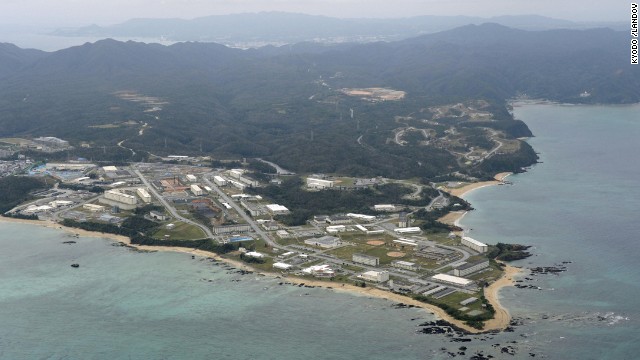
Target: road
(170, 208)
(242, 214)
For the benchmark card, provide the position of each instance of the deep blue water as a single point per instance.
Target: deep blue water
(579, 205)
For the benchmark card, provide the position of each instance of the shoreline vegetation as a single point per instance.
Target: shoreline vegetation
(499, 322)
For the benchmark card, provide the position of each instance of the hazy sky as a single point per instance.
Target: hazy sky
(105, 12)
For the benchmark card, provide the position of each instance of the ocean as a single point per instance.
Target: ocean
(577, 207)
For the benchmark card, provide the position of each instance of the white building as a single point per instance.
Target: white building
(93, 207)
(191, 178)
(453, 280)
(474, 244)
(375, 276)
(249, 181)
(255, 254)
(196, 190)
(368, 218)
(320, 271)
(58, 203)
(238, 184)
(282, 266)
(282, 234)
(316, 183)
(276, 209)
(470, 268)
(407, 230)
(236, 173)
(365, 259)
(406, 265)
(144, 195)
(326, 242)
(219, 180)
(118, 196)
(384, 207)
(336, 229)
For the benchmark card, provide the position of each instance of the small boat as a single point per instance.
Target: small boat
(75, 265)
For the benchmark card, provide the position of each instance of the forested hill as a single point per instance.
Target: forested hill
(285, 104)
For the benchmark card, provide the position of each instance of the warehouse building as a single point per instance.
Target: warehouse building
(276, 209)
(326, 242)
(453, 280)
(316, 183)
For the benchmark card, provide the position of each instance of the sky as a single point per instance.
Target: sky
(71, 13)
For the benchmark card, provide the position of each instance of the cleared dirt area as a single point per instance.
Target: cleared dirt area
(375, 242)
(395, 254)
(375, 94)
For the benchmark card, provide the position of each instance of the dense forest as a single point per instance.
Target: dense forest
(305, 204)
(285, 104)
(15, 190)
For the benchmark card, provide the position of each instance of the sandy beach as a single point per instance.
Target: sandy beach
(500, 322)
(461, 191)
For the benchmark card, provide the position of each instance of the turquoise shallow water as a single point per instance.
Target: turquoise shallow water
(579, 205)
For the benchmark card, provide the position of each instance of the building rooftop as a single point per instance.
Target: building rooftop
(473, 241)
(452, 279)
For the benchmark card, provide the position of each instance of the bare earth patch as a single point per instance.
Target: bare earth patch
(395, 254)
(375, 242)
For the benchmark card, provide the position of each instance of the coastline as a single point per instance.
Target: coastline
(502, 317)
(463, 190)
(499, 322)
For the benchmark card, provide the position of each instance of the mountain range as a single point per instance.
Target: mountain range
(251, 29)
(284, 103)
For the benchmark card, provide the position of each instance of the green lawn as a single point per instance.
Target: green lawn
(182, 231)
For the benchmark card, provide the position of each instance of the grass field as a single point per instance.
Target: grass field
(182, 231)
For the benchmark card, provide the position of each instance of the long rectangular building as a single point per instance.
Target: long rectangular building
(229, 229)
(319, 183)
(474, 244)
(219, 180)
(365, 259)
(470, 268)
(449, 279)
(144, 195)
(196, 190)
(118, 196)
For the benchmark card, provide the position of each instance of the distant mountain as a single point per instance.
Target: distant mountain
(13, 58)
(276, 27)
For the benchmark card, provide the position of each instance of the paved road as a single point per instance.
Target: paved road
(242, 214)
(171, 209)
